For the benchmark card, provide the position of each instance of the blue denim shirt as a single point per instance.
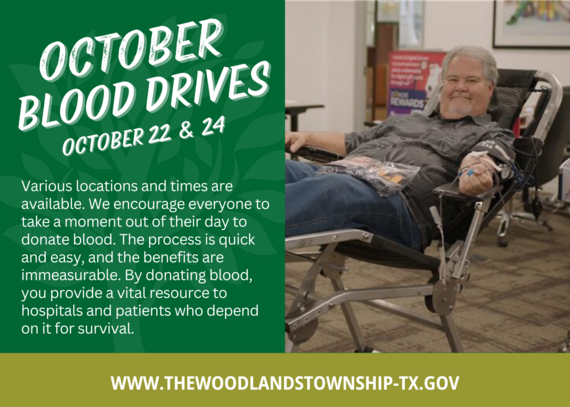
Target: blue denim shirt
(436, 145)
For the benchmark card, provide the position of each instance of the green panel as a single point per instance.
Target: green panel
(243, 155)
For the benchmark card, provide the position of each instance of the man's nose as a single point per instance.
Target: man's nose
(461, 86)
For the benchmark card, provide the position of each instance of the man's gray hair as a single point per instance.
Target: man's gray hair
(487, 59)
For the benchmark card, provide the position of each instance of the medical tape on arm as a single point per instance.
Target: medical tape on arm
(481, 157)
(494, 149)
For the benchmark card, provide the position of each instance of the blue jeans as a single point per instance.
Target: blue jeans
(318, 203)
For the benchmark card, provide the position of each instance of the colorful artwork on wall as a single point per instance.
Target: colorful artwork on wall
(543, 24)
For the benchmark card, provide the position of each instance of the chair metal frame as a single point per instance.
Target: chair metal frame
(557, 139)
(449, 272)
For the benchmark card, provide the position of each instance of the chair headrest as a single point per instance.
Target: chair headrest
(510, 94)
(505, 116)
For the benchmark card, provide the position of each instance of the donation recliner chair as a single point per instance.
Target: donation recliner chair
(447, 272)
(547, 167)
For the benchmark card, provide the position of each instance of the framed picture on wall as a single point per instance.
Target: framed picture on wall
(543, 24)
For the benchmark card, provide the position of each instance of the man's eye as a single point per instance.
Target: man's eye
(452, 79)
(472, 81)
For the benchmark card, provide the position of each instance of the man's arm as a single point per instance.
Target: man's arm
(478, 168)
(334, 142)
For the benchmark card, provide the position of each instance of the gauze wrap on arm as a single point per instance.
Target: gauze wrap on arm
(496, 149)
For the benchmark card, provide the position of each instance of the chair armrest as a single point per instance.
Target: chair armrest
(451, 191)
(316, 154)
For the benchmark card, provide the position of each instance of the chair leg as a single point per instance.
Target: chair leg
(565, 347)
(308, 284)
(290, 347)
(503, 229)
(302, 300)
(350, 318)
(523, 216)
(452, 334)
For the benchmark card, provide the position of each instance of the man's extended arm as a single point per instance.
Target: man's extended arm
(334, 142)
(478, 167)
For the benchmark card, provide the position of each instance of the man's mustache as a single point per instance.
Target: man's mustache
(461, 95)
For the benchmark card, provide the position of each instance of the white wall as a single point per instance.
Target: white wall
(325, 57)
(450, 23)
(325, 53)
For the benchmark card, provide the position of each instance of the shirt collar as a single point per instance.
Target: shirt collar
(479, 120)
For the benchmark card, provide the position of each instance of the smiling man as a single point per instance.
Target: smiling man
(460, 139)
(466, 91)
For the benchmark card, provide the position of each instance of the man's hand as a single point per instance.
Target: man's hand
(475, 180)
(333, 142)
(296, 140)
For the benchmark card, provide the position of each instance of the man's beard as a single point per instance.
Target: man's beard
(461, 107)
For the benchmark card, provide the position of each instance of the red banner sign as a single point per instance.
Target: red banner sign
(412, 76)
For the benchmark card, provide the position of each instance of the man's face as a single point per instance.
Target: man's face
(465, 90)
